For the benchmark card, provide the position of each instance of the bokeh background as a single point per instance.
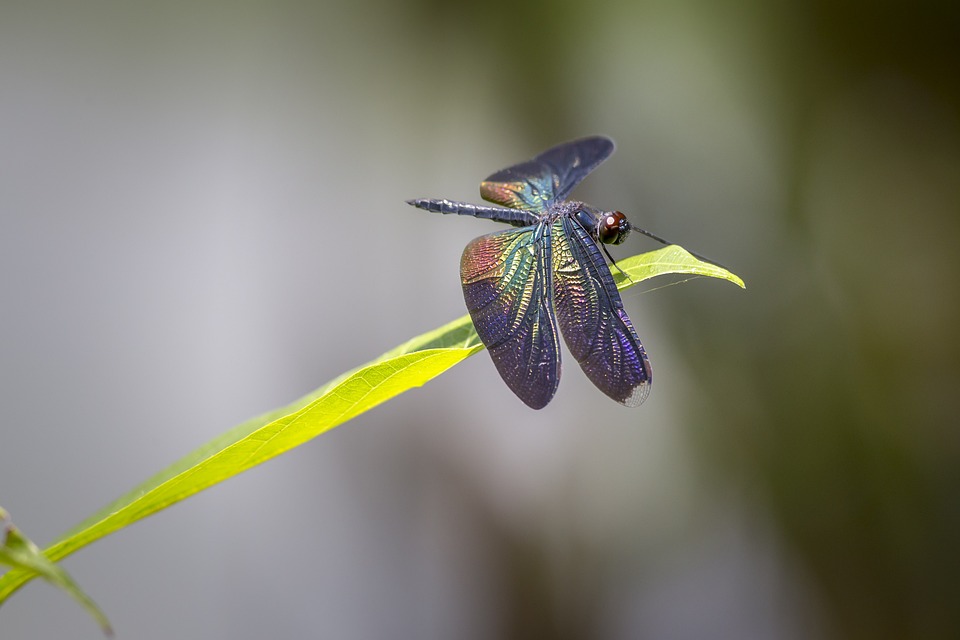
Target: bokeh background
(202, 217)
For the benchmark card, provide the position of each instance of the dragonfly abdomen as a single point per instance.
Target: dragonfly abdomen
(514, 217)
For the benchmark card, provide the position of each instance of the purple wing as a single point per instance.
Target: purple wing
(592, 319)
(548, 178)
(507, 285)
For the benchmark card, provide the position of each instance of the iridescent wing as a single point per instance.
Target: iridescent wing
(508, 285)
(550, 177)
(571, 162)
(592, 319)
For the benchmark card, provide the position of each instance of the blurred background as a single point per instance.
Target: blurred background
(202, 218)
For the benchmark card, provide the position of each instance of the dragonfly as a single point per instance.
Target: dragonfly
(548, 272)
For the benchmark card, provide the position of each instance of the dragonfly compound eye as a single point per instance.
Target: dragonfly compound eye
(613, 227)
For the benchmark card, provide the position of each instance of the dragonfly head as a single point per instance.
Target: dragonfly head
(612, 227)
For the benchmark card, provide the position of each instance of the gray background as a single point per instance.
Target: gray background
(202, 218)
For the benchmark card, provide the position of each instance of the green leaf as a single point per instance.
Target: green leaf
(409, 365)
(18, 551)
(670, 259)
